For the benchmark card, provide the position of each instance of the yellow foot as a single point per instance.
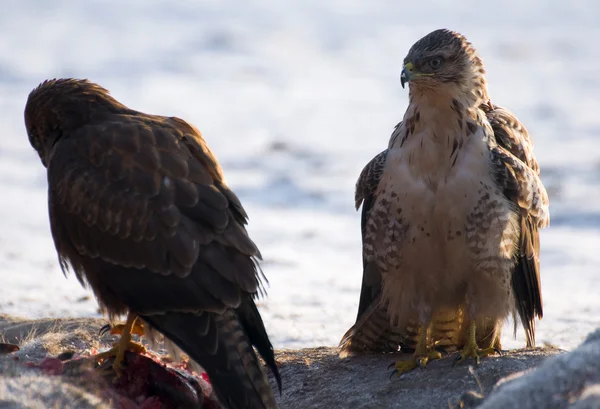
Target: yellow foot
(471, 350)
(476, 353)
(125, 344)
(439, 346)
(118, 352)
(417, 360)
(137, 329)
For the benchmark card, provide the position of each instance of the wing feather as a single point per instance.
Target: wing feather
(365, 194)
(150, 201)
(372, 324)
(140, 211)
(517, 173)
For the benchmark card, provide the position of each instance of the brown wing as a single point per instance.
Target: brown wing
(517, 172)
(372, 330)
(512, 136)
(365, 194)
(144, 193)
(139, 208)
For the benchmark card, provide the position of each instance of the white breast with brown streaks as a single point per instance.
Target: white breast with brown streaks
(439, 221)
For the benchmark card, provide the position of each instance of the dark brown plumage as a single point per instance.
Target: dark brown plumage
(140, 210)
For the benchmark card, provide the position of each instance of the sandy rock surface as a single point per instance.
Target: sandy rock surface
(317, 378)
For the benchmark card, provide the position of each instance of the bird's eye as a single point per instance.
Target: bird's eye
(435, 62)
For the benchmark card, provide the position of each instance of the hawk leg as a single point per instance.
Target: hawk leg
(423, 354)
(137, 329)
(123, 345)
(472, 350)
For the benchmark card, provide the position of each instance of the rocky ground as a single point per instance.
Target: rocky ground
(46, 373)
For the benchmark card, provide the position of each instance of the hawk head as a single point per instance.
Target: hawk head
(444, 59)
(57, 107)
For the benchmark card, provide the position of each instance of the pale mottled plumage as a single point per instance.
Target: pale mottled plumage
(451, 212)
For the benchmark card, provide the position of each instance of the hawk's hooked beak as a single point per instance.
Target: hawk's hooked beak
(407, 73)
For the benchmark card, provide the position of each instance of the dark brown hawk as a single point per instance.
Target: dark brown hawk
(450, 216)
(140, 210)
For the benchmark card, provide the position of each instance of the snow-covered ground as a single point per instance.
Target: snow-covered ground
(295, 97)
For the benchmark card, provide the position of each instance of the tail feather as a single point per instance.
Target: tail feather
(225, 352)
(257, 334)
(526, 280)
(372, 332)
(448, 329)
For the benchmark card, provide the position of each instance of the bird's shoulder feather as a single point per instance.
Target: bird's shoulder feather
(369, 177)
(516, 169)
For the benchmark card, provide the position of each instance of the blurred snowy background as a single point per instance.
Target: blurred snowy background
(295, 97)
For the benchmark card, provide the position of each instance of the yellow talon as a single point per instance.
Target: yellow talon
(422, 355)
(419, 360)
(123, 345)
(402, 367)
(137, 329)
(472, 350)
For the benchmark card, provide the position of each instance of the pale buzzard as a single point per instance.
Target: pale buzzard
(450, 217)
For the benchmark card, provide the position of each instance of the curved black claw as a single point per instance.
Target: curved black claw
(442, 351)
(499, 351)
(104, 330)
(397, 373)
(394, 372)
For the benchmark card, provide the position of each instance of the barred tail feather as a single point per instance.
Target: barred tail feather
(220, 345)
(373, 332)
